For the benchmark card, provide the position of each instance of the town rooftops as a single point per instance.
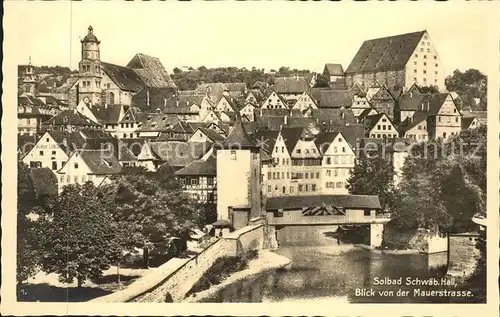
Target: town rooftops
(125, 78)
(411, 122)
(211, 134)
(107, 113)
(100, 162)
(344, 201)
(333, 98)
(238, 138)
(467, 121)
(151, 71)
(334, 69)
(177, 153)
(386, 53)
(200, 167)
(290, 85)
(70, 117)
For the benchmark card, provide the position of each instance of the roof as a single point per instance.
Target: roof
(125, 78)
(153, 98)
(411, 122)
(215, 90)
(334, 69)
(371, 121)
(291, 136)
(346, 201)
(107, 113)
(134, 145)
(211, 134)
(290, 85)
(178, 153)
(157, 122)
(482, 116)
(333, 116)
(44, 181)
(333, 98)
(238, 138)
(90, 37)
(386, 53)
(70, 117)
(412, 102)
(100, 162)
(351, 132)
(151, 71)
(436, 101)
(200, 167)
(324, 139)
(266, 139)
(466, 122)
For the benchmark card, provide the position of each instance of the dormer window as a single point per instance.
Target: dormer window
(65, 119)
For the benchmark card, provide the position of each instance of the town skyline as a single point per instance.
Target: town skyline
(121, 40)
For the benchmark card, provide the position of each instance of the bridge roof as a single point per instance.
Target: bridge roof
(345, 201)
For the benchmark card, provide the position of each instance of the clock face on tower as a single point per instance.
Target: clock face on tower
(86, 100)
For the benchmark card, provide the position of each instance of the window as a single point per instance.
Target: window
(335, 160)
(425, 63)
(439, 119)
(312, 175)
(328, 160)
(288, 175)
(75, 179)
(41, 153)
(274, 175)
(300, 187)
(425, 56)
(335, 173)
(415, 70)
(27, 121)
(338, 184)
(269, 188)
(313, 187)
(233, 155)
(279, 213)
(84, 179)
(76, 165)
(306, 175)
(282, 149)
(378, 126)
(61, 179)
(210, 181)
(414, 78)
(269, 175)
(416, 55)
(415, 63)
(456, 119)
(421, 49)
(317, 174)
(366, 212)
(292, 189)
(298, 151)
(435, 57)
(54, 165)
(283, 175)
(194, 181)
(428, 50)
(284, 190)
(328, 173)
(425, 72)
(436, 65)
(307, 187)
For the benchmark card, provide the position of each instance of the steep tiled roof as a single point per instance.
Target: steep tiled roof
(326, 116)
(371, 121)
(347, 201)
(107, 113)
(387, 53)
(332, 98)
(134, 145)
(152, 98)
(178, 154)
(482, 116)
(25, 143)
(411, 122)
(324, 139)
(290, 85)
(238, 138)
(291, 136)
(206, 167)
(466, 122)
(70, 117)
(151, 71)
(212, 134)
(412, 102)
(100, 162)
(157, 122)
(217, 89)
(334, 69)
(365, 113)
(436, 102)
(351, 132)
(125, 78)
(265, 139)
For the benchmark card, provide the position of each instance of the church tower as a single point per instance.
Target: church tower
(29, 80)
(90, 69)
(238, 178)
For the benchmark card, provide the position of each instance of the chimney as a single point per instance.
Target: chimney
(411, 118)
(164, 102)
(147, 97)
(285, 120)
(342, 115)
(177, 103)
(411, 94)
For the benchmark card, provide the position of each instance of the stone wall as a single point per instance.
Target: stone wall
(422, 240)
(463, 254)
(177, 276)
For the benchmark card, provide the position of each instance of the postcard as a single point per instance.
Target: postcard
(250, 158)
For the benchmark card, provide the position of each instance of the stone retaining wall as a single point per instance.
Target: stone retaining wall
(177, 276)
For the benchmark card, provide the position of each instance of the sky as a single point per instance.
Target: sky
(302, 35)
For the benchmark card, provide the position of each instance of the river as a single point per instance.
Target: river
(325, 270)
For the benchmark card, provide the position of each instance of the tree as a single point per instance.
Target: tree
(79, 237)
(155, 207)
(469, 85)
(373, 176)
(322, 81)
(429, 89)
(27, 250)
(177, 70)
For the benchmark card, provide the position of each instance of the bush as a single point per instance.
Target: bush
(221, 269)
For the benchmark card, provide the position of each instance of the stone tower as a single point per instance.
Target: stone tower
(29, 80)
(238, 177)
(90, 69)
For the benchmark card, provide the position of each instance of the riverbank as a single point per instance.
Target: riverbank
(380, 251)
(266, 260)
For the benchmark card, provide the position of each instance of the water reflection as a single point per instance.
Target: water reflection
(334, 272)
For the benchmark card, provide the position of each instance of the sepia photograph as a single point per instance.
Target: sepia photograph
(270, 153)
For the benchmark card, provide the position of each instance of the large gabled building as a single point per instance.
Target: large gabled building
(397, 62)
